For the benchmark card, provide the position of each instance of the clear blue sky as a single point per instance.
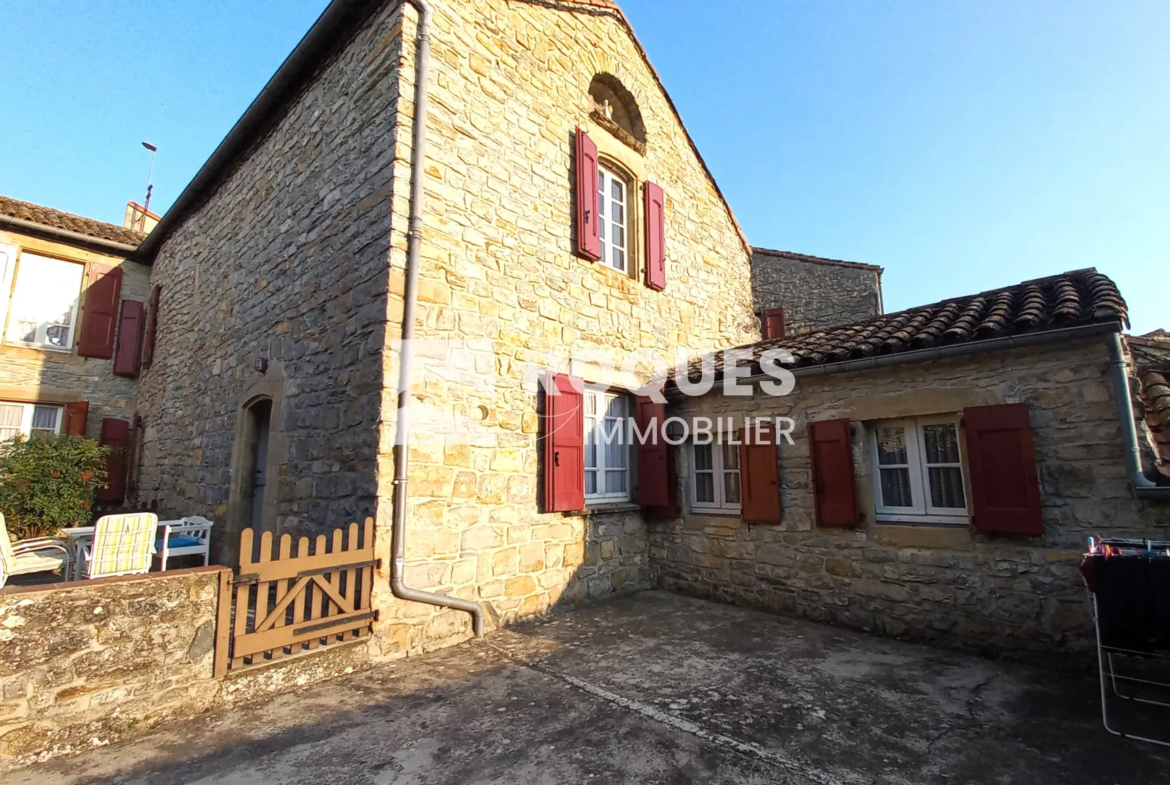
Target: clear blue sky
(961, 145)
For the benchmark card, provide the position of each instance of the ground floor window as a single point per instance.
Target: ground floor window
(715, 477)
(29, 420)
(919, 472)
(607, 446)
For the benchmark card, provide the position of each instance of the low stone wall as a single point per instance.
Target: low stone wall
(85, 663)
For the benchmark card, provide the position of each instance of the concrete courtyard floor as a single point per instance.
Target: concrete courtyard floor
(651, 688)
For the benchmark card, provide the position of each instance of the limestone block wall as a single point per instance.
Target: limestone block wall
(46, 376)
(815, 293)
(86, 663)
(1019, 596)
(503, 294)
(96, 659)
(285, 262)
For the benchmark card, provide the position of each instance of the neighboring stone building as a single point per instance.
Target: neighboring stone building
(813, 293)
(74, 318)
(271, 397)
(964, 451)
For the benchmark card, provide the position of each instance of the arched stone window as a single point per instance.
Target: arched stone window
(614, 109)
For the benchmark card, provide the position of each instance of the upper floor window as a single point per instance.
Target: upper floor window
(43, 311)
(607, 446)
(715, 477)
(29, 420)
(919, 470)
(613, 217)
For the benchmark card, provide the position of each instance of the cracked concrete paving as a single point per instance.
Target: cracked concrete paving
(652, 688)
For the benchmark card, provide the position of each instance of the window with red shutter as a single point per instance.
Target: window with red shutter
(115, 434)
(151, 326)
(774, 323)
(588, 220)
(655, 467)
(100, 320)
(130, 326)
(1005, 484)
(655, 212)
(76, 414)
(834, 484)
(564, 444)
(759, 476)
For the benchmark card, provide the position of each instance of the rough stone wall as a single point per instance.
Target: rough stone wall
(46, 376)
(815, 293)
(509, 87)
(1019, 596)
(86, 663)
(99, 658)
(286, 261)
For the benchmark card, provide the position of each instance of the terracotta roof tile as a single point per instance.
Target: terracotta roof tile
(59, 219)
(1072, 299)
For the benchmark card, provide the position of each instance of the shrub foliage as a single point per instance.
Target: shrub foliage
(49, 483)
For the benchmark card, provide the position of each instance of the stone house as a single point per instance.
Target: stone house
(796, 293)
(75, 317)
(934, 474)
(562, 209)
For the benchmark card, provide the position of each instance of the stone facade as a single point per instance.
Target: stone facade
(85, 663)
(1019, 596)
(93, 660)
(31, 375)
(298, 257)
(815, 293)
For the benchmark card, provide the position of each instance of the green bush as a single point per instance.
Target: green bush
(48, 484)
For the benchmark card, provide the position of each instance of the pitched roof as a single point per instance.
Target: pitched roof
(330, 33)
(1151, 354)
(59, 219)
(800, 257)
(1073, 299)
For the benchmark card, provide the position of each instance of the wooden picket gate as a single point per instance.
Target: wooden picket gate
(284, 603)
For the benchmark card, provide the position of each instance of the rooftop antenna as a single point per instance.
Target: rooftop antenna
(149, 186)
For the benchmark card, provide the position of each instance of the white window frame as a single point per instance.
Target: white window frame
(600, 396)
(606, 178)
(922, 510)
(12, 285)
(26, 419)
(719, 472)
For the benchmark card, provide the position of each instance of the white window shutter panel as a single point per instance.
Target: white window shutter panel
(7, 269)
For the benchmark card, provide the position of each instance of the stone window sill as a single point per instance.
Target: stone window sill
(602, 509)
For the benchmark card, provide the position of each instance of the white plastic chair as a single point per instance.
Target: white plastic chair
(190, 536)
(41, 554)
(121, 545)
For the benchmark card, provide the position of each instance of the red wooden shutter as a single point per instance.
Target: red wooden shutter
(100, 321)
(564, 444)
(76, 414)
(588, 225)
(133, 452)
(774, 323)
(654, 465)
(151, 326)
(759, 479)
(115, 434)
(1005, 486)
(129, 339)
(655, 236)
(835, 488)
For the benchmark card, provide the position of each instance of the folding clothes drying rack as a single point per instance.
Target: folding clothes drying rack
(1138, 689)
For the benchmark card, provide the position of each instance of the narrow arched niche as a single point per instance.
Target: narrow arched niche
(613, 108)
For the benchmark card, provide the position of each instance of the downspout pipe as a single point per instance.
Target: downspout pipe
(1144, 487)
(406, 354)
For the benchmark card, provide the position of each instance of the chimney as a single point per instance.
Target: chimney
(139, 218)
